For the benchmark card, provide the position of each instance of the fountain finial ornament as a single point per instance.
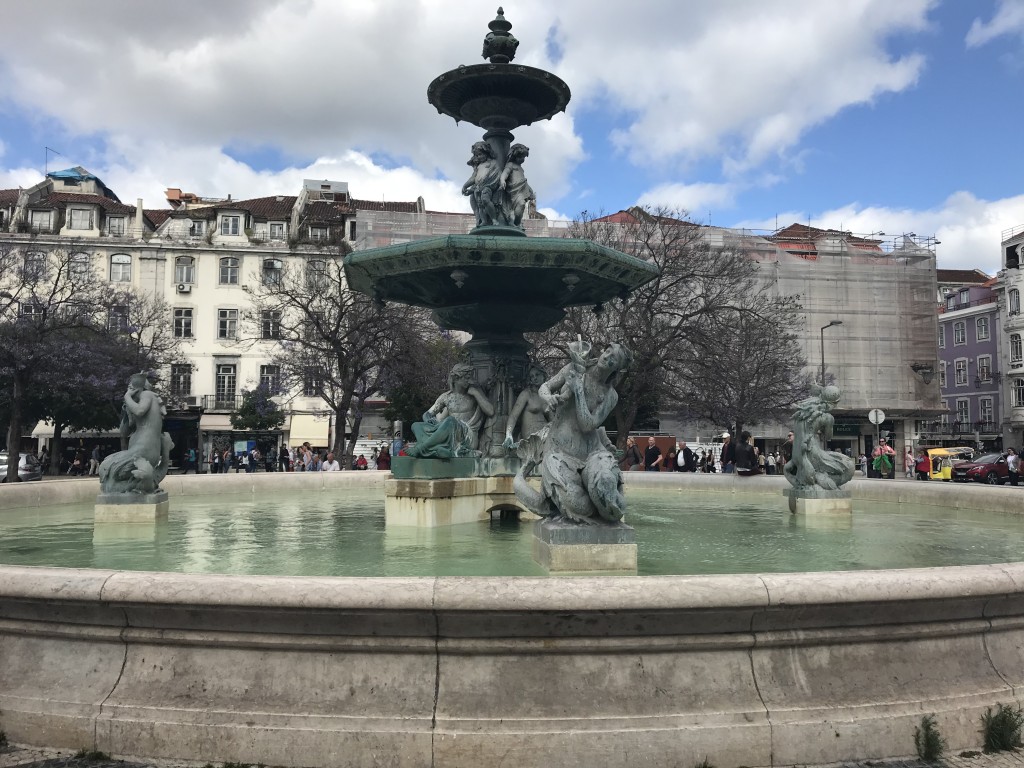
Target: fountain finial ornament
(813, 471)
(499, 45)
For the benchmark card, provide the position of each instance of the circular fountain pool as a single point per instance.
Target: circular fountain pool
(758, 668)
(343, 534)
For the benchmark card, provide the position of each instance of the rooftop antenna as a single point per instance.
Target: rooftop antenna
(46, 158)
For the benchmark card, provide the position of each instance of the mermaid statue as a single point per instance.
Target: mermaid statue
(141, 467)
(580, 477)
(812, 467)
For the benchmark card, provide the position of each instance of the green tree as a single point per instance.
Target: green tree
(257, 411)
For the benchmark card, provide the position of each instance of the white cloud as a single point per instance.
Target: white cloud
(695, 198)
(742, 80)
(318, 78)
(968, 229)
(1008, 20)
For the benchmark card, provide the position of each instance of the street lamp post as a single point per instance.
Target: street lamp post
(834, 322)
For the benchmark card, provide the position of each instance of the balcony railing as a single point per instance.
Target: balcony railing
(221, 402)
(957, 428)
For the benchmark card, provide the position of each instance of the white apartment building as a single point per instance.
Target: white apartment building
(198, 256)
(1009, 284)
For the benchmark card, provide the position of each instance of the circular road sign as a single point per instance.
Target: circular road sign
(876, 415)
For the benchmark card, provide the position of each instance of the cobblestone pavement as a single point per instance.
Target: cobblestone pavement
(12, 756)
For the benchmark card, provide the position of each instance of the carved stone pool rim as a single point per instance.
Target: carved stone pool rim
(756, 670)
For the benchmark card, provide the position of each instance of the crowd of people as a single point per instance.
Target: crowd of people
(301, 458)
(742, 458)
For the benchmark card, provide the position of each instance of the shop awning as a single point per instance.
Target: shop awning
(308, 428)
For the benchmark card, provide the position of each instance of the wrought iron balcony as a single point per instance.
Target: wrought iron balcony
(221, 402)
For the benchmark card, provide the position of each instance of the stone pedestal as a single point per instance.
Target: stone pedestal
(563, 547)
(818, 501)
(131, 507)
(451, 501)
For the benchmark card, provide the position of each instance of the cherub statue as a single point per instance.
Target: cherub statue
(482, 185)
(518, 192)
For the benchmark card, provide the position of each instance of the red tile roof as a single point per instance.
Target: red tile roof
(156, 216)
(9, 197)
(326, 212)
(798, 236)
(383, 205)
(277, 208)
(961, 276)
(60, 200)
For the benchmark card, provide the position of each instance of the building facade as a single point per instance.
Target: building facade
(200, 254)
(1008, 286)
(969, 376)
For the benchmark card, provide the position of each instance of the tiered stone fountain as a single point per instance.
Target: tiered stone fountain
(494, 283)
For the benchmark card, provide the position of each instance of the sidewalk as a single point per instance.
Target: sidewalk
(27, 757)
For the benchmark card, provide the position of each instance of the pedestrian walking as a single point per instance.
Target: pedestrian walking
(652, 457)
(1013, 465)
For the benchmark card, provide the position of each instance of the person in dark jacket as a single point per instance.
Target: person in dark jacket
(746, 457)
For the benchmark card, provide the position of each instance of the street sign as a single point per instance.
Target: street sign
(876, 415)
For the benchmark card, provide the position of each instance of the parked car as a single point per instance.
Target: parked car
(990, 468)
(28, 467)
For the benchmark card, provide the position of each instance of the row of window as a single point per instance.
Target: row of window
(226, 381)
(983, 370)
(228, 271)
(184, 268)
(78, 265)
(78, 219)
(986, 410)
(227, 324)
(982, 331)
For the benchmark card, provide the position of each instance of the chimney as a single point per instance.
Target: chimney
(138, 217)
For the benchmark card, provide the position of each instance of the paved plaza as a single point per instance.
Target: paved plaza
(16, 757)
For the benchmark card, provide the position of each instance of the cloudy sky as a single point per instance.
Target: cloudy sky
(870, 115)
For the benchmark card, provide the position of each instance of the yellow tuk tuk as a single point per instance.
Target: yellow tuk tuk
(943, 459)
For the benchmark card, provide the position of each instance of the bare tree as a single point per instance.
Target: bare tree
(750, 371)
(46, 295)
(672, 321)
(331, 341)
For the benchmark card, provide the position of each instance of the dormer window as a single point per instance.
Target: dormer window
(115, 226)
(198, 228)
(229, 225)
(276, 231)
(79, 218)
(318, 233)
(39, 221)
(951, 301)
(965, 296)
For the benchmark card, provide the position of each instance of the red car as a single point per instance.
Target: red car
(990, 468)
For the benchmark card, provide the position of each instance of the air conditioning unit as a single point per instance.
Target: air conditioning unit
(184, 288)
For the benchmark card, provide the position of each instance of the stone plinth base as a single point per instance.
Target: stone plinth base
(561, 547)
(408, 468)
(815, 501)
(131, 507)
(431, 503)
